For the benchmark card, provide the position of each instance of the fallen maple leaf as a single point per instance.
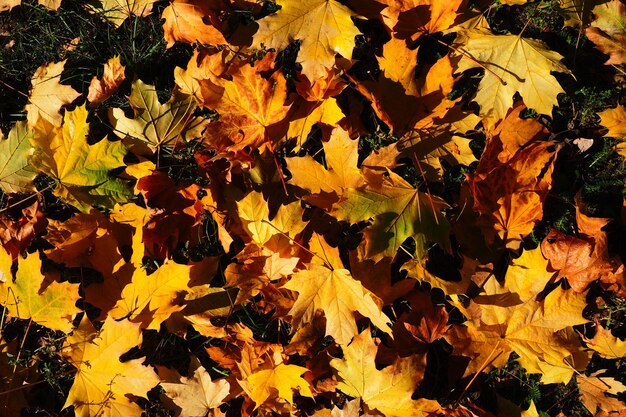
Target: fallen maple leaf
(317, 289)
(607, 345)
(16, 173)
(48, 95)
(6, 5)
(398, 211)
(593, 389)
(52, 307)
(103, 385)
(582, 259)
(388, 390)
(151, 299)
(252, 108)
(327, 185)
(513, 65)
(16, 234)
(272, 233)
(100, 90)
(608, 31)
(278, 381)
(509, 190)
(192, 21)
(198, 394)
(509, 318)
(116, 11)
(615, 120)
(82, 171)
(416, 18)
(256, 268)
(157, 125)
(315, 105)
(323, 27)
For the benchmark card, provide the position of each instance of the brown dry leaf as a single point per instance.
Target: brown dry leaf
(515, 132)
(48, 95)
(509, 194)
(315, 105)
(15, 380)
(593, 390)
(256, 268)
(198, 394)
(608, 31)
(16, 233)
(585, 258)
(416, 104)
(193, 21)
(388, 390)
(376, 277)
(414, 330)
(113, 76)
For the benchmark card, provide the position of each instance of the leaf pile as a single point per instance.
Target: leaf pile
(341, 209)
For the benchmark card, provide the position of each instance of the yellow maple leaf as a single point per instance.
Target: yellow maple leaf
(615, 120)
(509, 318)
(197, 394)
(513, 64)
(82, 171)
(48, 95)
(279, 381)
(53, 307)
(593, 389)
(103, 385)
(116, 11)
(327, 185)
(388, 390)
(318, 288)
(607, 345)
(9, 4)
(151, 299)
(254, 212)
(324, 28)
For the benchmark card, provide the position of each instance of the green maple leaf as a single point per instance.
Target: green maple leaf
(16, 175)
(82, 171)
